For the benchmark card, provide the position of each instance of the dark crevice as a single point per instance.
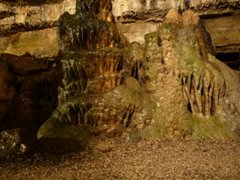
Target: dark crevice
(230, 59)
(189, 108)
(211, 16)
(131, 16)
(5, 14)
(16, 28)
(30, 2)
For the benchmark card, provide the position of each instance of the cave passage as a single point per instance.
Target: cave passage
(231, 59)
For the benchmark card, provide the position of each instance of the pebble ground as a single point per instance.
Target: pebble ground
(114, 159)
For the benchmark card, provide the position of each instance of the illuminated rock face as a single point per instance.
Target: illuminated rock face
(137, 17)
(92, 80)
(170, 87)
(31, 27)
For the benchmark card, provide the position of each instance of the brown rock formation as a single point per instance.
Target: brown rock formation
(28, 94)
(168, 84)
(220, 17)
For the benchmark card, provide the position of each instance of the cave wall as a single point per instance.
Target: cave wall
(119, 67)
(134, 19)
(31, 28)
(221, 18)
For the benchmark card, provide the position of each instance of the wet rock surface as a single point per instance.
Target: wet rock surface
(74, 75)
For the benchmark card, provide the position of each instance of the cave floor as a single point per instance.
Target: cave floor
(115, 159)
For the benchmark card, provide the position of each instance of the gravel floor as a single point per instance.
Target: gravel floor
(113, 159)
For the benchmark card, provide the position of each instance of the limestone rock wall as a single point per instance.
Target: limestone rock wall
(118, 68)
(31, 28)
(136, 18)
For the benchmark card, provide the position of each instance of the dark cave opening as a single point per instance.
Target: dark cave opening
(231, 59)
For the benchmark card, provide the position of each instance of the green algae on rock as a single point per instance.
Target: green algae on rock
(170, 87)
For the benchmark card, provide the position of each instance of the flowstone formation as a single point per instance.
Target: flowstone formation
(204, 80)
(99, 94)
(170, 87)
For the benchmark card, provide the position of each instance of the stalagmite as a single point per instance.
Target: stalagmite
(166, 85)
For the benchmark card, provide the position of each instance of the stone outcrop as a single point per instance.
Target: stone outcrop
(168, 87)
(116, 68)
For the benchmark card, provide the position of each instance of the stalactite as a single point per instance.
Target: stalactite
(74, 80)
(203, 91)
(93, 26)
(127, 116)
(72, 112)
(110, 71)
